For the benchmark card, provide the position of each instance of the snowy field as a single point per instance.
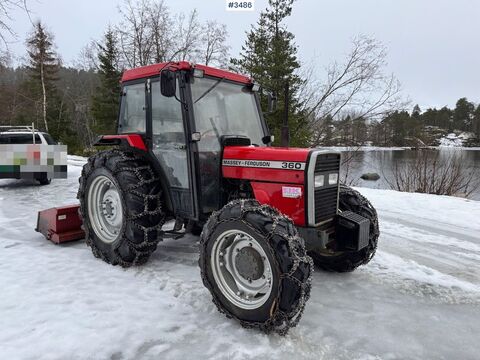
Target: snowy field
(418, 299)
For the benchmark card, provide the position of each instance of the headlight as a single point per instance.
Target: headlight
(319, 180)
(332, 179)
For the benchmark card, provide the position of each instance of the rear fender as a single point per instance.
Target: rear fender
(137, 143)
(130, 140)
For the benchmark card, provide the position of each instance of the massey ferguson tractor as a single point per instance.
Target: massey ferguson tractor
(192, 147)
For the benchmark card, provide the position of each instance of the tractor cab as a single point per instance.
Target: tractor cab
(185, 113)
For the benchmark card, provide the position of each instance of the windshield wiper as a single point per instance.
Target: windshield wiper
(210, 89)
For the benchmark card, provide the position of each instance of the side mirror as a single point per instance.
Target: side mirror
(272, 102)
(168, 83)
(268, 139)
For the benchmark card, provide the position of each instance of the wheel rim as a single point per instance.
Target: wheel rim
(241, 269)
(105, 209)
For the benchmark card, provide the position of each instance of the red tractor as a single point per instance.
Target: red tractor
(192, 146)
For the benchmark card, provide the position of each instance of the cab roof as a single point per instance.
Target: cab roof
(152, 70)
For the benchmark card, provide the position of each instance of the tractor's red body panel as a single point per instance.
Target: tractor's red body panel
(277, 175)
(153, 70)
(272, 194)
(134, 140)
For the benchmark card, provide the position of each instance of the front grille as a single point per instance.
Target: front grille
(327, 162)
(325, 204)
(325, 198)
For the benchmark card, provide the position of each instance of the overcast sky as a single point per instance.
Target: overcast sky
(433, 45)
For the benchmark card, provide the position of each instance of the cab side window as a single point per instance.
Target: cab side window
(132, 114)
(167, 121)
(169, 144)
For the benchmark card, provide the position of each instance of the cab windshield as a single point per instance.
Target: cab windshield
(224, 108)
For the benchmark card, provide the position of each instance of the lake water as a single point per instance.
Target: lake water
(383, 161)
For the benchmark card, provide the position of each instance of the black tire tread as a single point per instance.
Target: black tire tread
(137, 180)
(295, 265)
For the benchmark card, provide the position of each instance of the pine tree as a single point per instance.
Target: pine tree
(463, 114)
(43, 68)
(476, 122)
(105, 102)
(269, 56)
(416, 111)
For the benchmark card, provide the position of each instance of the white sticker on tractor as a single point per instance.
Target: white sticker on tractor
(291, 192)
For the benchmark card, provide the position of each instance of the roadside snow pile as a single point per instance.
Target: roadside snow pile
(418, 298)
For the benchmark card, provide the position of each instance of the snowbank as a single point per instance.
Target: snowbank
(418, 298)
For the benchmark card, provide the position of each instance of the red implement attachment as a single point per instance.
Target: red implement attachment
(60, 224)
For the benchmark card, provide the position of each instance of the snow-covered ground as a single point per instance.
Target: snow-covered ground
(419, 298)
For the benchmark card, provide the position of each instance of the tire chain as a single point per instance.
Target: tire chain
(279, 322)
(141, 250)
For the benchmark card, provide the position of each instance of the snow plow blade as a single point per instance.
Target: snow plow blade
(60, 224)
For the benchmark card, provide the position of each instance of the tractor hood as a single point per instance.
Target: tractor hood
(285, 165)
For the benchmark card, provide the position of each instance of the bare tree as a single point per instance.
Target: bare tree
(434, 173)
(149, 33)
(87, 59)
(215, 50)
(189, 36)
(358, 85)
(161, 27)
(136, 42)
(349, 164)
(6, 9)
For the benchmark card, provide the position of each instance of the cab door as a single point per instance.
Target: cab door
(170, 148)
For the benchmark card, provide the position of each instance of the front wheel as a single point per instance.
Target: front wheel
(255, 266)
(344, 261)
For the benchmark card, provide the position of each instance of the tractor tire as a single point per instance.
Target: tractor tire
(255, 266)
(121, 206)
(346, 261)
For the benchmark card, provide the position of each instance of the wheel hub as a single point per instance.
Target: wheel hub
(241, 269)
(105, 209)
(249, 263)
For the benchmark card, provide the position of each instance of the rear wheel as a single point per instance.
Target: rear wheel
(121, 206)
(345, 261)
(255, 266)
